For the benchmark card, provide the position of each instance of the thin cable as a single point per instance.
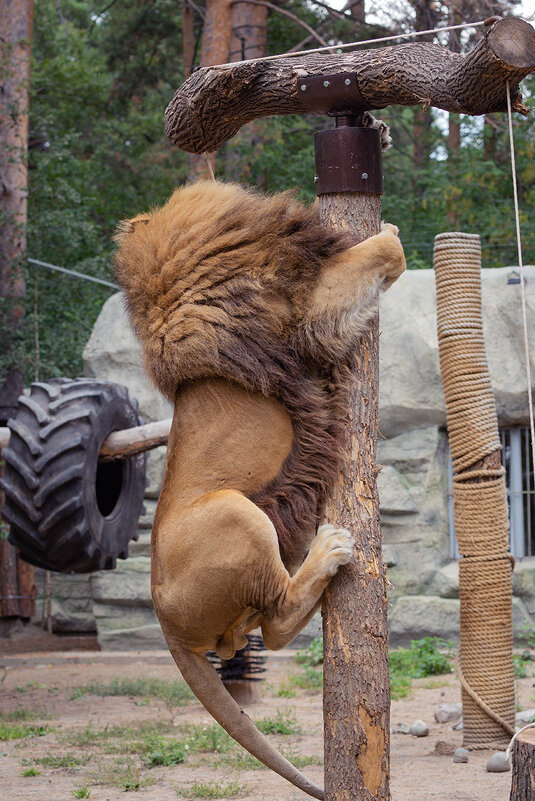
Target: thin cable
(522, 279)
(328, 48)
(72, 272)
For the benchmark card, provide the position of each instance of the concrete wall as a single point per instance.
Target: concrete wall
(412, 450)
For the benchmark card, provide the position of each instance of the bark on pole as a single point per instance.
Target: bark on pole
(356, 688)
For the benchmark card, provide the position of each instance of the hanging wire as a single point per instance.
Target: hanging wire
(345, 45)
(522, 278)
(74, 273)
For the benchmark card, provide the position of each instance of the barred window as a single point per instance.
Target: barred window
(517, 459)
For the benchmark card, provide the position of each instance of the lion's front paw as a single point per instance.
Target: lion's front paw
(388, 228)
(394, 264)
(333, 547)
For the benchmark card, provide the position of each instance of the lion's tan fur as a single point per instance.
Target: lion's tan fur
(247, 310)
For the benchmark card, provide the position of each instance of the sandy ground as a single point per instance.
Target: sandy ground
(45, 685)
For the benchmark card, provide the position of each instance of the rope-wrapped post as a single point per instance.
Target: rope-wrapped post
(485, 659)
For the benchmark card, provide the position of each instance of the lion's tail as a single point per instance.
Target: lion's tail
(209, 689)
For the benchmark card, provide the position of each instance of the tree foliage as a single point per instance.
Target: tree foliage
(102, 76)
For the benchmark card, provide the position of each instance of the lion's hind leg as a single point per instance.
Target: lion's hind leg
(330, 548)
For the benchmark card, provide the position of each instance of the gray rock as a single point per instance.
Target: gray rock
(128, 585)
(414, 617)
(522, 622)
(401, 728)
(72, 602)
(458, 726)
(498, 763)
(445, 582)
(394, 494)
(419, 729)
(113, 354)
(460, 755)
(390, 557)
(155, 466)
(524, 717)
(447, 713)
(410, 388)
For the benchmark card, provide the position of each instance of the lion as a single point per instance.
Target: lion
(247, 310)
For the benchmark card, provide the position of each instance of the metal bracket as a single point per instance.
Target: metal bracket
(331, 94)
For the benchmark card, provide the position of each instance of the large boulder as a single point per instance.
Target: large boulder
(114, 354)
(411, 392)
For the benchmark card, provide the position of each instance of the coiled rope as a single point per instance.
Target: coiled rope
(485, 661)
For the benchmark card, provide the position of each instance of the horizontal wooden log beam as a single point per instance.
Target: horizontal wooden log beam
(122, 444)
(213, 104)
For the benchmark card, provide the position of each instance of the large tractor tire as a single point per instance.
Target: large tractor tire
(67, 511)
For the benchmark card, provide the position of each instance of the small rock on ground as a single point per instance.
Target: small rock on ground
(401, 728)
(419, 729)
(498, 763)
(442, 748)
(460, 755)
(448, 712)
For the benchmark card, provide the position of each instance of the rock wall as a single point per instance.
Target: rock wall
(412, 452)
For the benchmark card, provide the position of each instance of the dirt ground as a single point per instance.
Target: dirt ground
(74, 752)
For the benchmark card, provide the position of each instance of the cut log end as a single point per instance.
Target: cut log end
(513, 42)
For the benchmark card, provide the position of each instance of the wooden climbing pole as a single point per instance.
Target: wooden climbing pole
(356, 687)
(485, 659)
(205, 112)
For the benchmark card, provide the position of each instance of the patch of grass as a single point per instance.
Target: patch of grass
(212, 738)
(238, 760)
(172, 693)
(282, 723)
(285, 690)
(81, 792)
(31, 772)
(313, 655)
(310, 679)
(215, 790)
(429, 656)
(301, 760)
(521, 662)
(22, 714)
(158, 751)
(91, 736)
(123, 773)
(17, 732)
(434, 684)
(400, 686)
(55, 761)
(34, 685)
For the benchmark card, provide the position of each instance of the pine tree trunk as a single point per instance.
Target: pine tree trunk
(214, 50)
(356, 679)
(15, 55)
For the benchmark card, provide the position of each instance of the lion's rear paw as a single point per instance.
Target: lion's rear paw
(333, 546)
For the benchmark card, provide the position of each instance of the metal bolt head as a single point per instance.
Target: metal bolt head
(326, 83)
(364, 176)
(303, 87)
(347, 81)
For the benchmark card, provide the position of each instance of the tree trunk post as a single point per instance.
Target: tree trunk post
(523, 767)
(356, 694)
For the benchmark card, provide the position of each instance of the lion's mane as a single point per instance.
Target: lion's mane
(217, 286)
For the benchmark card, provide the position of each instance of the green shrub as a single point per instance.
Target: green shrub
(313, 655)
(282, 723)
